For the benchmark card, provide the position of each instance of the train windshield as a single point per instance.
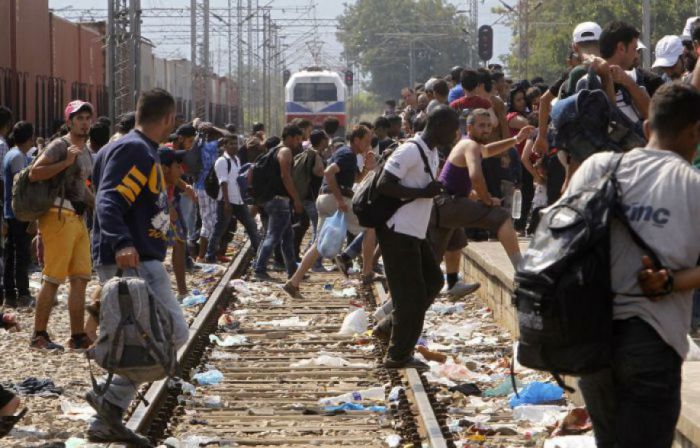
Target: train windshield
(310, 92)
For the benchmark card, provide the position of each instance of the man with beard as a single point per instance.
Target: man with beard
(470, 204)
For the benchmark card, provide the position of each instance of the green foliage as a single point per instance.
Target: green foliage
(366, 106)
(364, 27)
(553, 22)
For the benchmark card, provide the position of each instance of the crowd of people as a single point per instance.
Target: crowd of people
(468, 155)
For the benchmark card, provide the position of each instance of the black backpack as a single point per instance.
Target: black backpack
(563, 292)
(372, 208)
(211, 182)
(302, 170)
(266, 177)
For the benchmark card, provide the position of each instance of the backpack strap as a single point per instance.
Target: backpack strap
(620, 215)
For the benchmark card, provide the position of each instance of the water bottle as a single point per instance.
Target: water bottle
(374, 394)
(517, 204)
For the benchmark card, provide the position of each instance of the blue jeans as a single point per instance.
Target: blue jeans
(223, 221)
(637, 401)
(354, 249)
(189, 216)
(279, 229)
(122, 391)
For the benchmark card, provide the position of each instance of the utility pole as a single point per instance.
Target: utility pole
(249, 78)
(646, 31)
(123, 55)
(200, 59)
(229, 75)
(239, 77)
(411, 64)
(265, 53)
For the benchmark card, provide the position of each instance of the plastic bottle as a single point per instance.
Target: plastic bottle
(375, 393)
(517, 204)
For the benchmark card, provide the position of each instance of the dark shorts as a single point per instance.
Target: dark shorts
(446, 229)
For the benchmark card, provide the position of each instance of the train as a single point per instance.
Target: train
(315, 94)
(46, 61)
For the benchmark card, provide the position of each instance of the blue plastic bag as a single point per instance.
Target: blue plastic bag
(535, 393)
(330, 240)
(210, 377)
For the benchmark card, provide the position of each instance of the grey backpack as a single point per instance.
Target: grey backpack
(136, 334)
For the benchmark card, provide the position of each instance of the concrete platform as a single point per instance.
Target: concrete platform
(487, 263)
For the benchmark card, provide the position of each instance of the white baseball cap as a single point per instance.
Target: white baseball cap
(688, 29)
(667, 52)
(587, 32)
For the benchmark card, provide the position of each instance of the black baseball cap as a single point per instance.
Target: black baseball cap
(167, 156)
(186, 130)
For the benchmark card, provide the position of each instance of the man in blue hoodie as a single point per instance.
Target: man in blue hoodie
(130, 232)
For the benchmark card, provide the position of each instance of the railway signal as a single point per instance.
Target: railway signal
(286, 74)
(485, 44)
(349, 77)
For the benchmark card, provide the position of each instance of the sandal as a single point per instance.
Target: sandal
(9, 422)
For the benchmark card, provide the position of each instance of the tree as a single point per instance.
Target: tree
(551, 25)
(377, 34)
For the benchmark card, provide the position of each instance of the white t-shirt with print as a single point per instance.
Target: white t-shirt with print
(660, 193)
(221, 167)
(406, 164)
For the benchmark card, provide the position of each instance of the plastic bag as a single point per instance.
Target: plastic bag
(332, 236)
(210, 377)
(354, 323)
(571, 442)
(541, 415)
(537, 392)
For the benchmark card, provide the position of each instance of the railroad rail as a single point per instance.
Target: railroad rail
(270, 392)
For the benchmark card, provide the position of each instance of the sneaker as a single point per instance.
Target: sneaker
(108, 426)
(410, 363)
(79, 342)
(262, 277)
(344, 264)
(368, 279)
(293, 291)
(26, 301)
(461, 289)
(42, 342)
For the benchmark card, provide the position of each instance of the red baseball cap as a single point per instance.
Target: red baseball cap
(76, 106)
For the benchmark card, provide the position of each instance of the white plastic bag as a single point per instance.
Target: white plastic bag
(694, 352)
(354, 323)
(332, 236)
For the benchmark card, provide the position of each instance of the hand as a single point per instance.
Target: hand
(9, 322)
(190, 193)
(298, 207)
(653, 282)
(73, 153)
(619, 76)
(32, 228)
(541, 145)
(39, 248)
(342, 205)
(370, 161)
(600, 66)
(433, 189)
(524, 134)
(495, 202)
(127, 258)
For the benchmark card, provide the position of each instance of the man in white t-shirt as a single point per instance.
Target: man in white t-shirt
(230, 203)
(636, 402)
(413, 274)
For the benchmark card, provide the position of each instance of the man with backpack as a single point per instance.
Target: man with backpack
(273, 187)
(308, 177)
(62, 228)
(636, 401)
(229, 199)
(130, 234)
(413, 273)
(336, 195)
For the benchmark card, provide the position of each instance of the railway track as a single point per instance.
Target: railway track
(271, 392)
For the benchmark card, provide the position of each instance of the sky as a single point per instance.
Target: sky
(171, 35)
